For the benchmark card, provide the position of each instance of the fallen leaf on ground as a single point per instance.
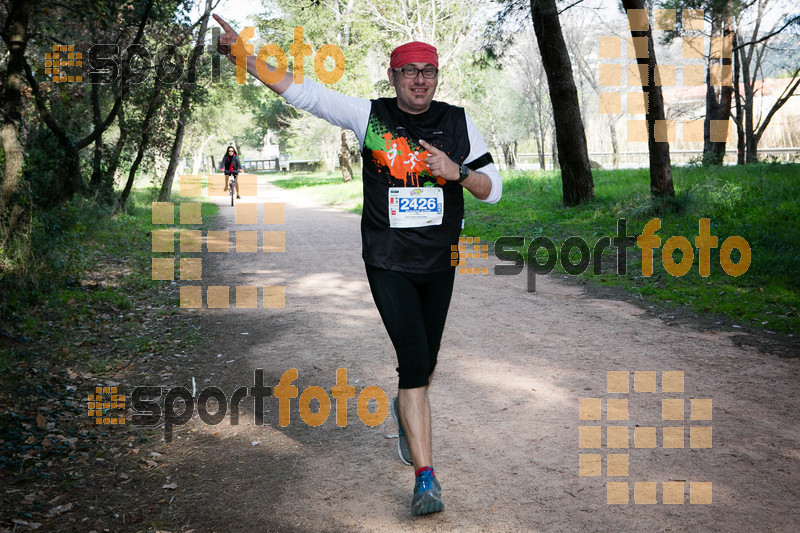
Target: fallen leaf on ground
(60, 509)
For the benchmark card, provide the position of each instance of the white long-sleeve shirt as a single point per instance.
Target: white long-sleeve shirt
(352, 113)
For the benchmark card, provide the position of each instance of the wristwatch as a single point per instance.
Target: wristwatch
(463, 172)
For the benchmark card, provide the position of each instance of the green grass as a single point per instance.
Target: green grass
(327, 187)
(760, 203)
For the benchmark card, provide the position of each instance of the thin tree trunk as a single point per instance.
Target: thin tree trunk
(514, 152)
(185, 113)
(508, 153)
(573, 156)
(344, 159)
(97, 155)
(554, 151)
(197, 162)
(113, 162)
(540, 149)
(660, 168)
(740, 146)
(612, 128)
(146, 125)
(749, 95)
(718, 100)
(15, 33)
(784, 97)
(498, 152)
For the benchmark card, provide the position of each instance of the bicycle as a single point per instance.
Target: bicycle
(232, 183)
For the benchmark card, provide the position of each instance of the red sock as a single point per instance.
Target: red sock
(424, 468)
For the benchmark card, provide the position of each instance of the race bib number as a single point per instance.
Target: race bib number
(414, 207)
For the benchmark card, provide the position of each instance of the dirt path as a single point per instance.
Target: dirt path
(512, 369)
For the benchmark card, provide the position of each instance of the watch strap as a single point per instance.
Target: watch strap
(463, 175)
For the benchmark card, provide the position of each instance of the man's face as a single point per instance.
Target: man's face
(414, 95)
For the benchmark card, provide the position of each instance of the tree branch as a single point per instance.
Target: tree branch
(782, 99)
(794, 20)
(570, 6)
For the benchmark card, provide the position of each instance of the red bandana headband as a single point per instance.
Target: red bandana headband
(414, 52)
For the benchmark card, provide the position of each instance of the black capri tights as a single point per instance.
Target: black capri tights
(414, 309)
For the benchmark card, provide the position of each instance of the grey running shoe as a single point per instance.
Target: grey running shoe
(427, 494)
(402, 442)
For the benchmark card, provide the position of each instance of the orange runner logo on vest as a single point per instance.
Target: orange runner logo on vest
(404, 163)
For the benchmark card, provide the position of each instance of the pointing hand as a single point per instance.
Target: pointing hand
(441, 166)
(226, 39)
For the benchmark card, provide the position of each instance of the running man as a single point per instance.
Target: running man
(413, 159)
(391, 154)
(410, 220)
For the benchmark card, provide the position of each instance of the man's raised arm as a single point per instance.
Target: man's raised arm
(225, 45)
(347, 112)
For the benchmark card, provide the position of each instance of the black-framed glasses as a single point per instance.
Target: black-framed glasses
(411, 72)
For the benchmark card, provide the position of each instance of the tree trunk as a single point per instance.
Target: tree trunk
(612, 128)
(344, 159)
(573, 156)
(750, 149)
(197, 162)
(718, 100)
(113, 162)
(513, 155)
(750, 155)
(15, 32)
(101, 190)
(540, 148)
(146, 125)
(660, 168)
(498, 153)
(508, 153)
(740, 149)
(185, 113)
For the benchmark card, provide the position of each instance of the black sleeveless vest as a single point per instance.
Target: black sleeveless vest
(392, 157)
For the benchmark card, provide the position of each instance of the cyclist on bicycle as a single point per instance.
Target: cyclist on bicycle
(231, 165)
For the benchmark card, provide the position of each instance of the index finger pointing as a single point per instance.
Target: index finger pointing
(432, 149)
(222, 23)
